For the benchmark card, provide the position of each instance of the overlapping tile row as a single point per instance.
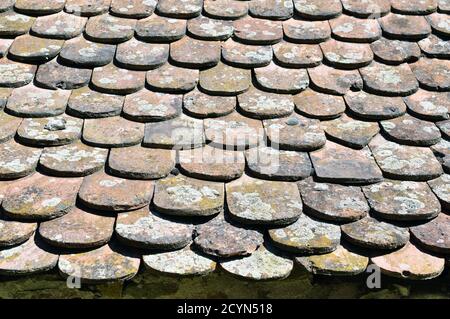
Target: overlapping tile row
(255, 135)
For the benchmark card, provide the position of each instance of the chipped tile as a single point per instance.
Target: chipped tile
(76, 159)
(333, 202)
(307, 236)
(78, 229)
(259, 202)
(105, 192)
(340, 164)
(148, 229)
(220, 238)
(374, 234)
(295, 132)
(40, 197)
(97, 132)
(147, 163)
(402, 200)
(184, 196)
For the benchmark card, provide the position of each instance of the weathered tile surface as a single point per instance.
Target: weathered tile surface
(374, 107)
(14, 232)
(254, 201)
(86, 103)
(17, 160)
(105, 192)
(319, 105)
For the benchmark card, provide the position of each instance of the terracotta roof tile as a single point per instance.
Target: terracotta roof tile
(224, 128)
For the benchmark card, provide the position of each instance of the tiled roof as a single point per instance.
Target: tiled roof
(258, 135)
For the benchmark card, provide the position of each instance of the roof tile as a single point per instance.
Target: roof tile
(402, 200)
(106, 28)
(441, 188)
(435, 47)
(318, 9)
(374, 234)
(147, 163)
(334, 81)
(318, 105)
(395, 51)
(169, 78)
(258, 31)
(97, 132)
(146, 105)
(8, 126)
(347, 55)
(84, 53)
(347, 28)
(293, 55)
(115, 80)
(184, 196)
(86, 103)
(259, 104)
(367, 8)
(264, 264)
(210, 29)
(434, 234)
(414, 6)
(40, 197)
(76, 159)
(340, 164)
(295, 132)
(144, 228)
(17, 160)
(374, 107)
(225, 80)
(409, 262)
(221, 238)
(272, 9)
(225, 9)
(433, 74)
(307, 236)
(333, 202)
(14, 24)
(306, 31)
(405, 27)
(429, 105)
(53, 75)
(137, 55)
(277, 79)
(28, 48)
(258, 202)
(180, 9)
(87, 8)
(246, 56)
(59, 26)
(105, 192)
(50, 131)
(78, 229)
(15, 74)
(28, 258)
(156, 28)
(133, 8)
(199, 104)
(14, 232)
(405, 162)
(193, 53)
